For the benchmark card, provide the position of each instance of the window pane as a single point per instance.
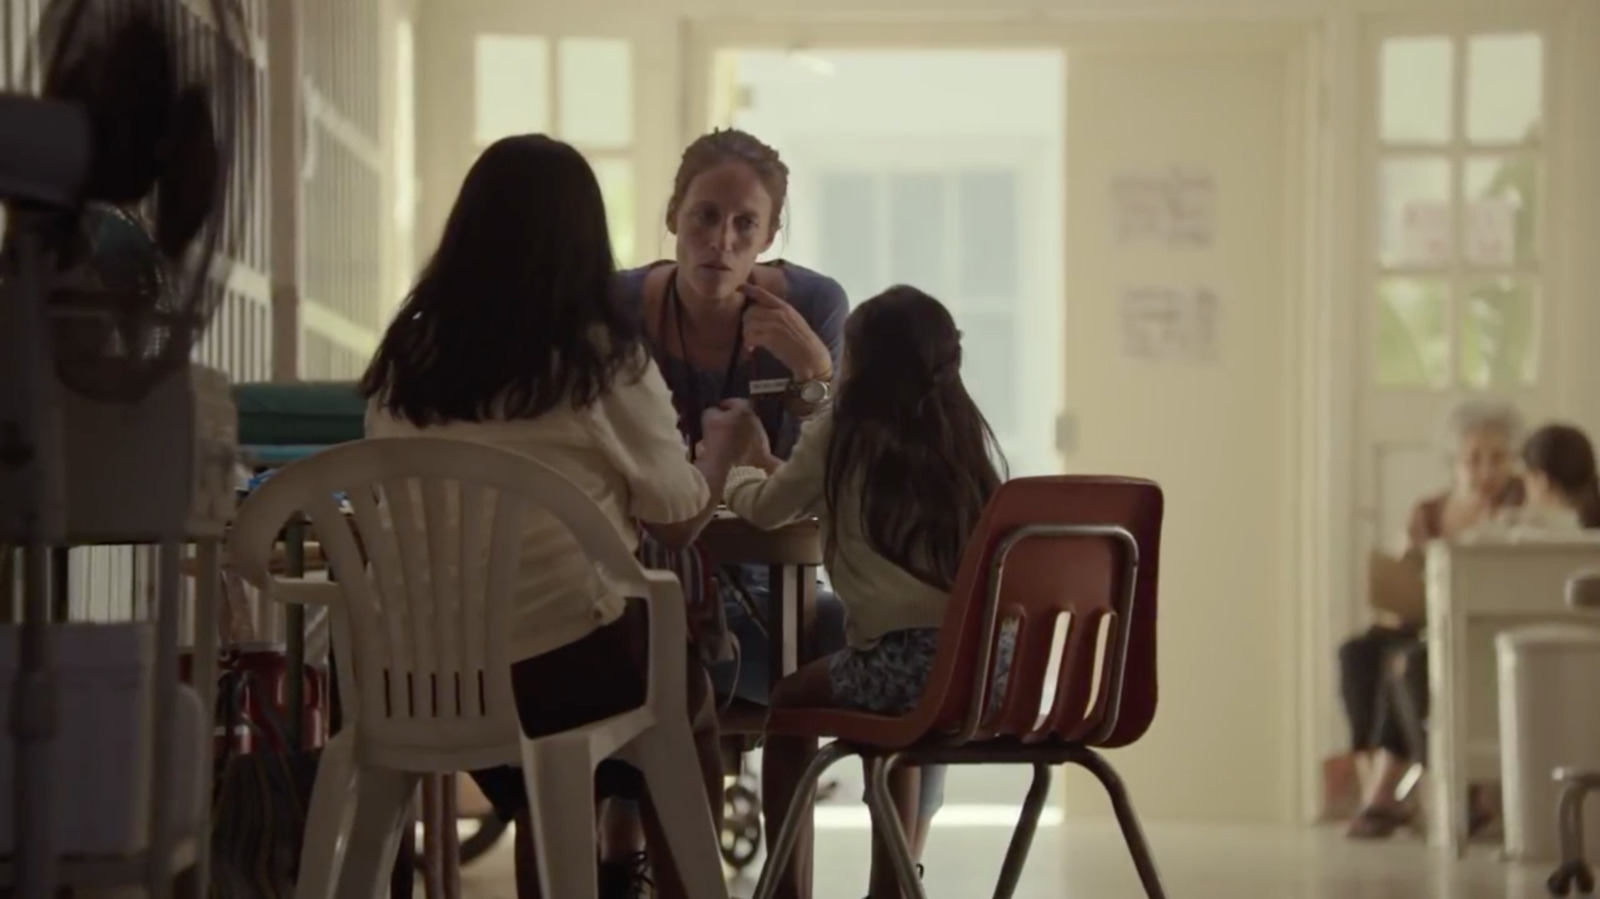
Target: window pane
(1413, 333)
(989, 366)
(1416, 224)
(916, 231)
(1505, 87)
(1415, 88)
(849, 232)
(616, 185)
(987, 213)
(595, 79)
(1499, 328)
(512, 85)
(1502, 221)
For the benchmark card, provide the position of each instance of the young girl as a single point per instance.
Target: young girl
(1561, 480)
(899, 470)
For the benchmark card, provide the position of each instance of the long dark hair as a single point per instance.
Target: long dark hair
(908, 441)
(517, 312)
(1564, 455)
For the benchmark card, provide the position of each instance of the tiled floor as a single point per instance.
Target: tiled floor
(1196, 862)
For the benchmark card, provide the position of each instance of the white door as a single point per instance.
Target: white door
(1179, 287)
(1458, 302)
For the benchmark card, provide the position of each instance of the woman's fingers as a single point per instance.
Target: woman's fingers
(763, 298)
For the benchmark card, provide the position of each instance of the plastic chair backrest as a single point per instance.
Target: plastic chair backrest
(421, 605)
(1052, 553)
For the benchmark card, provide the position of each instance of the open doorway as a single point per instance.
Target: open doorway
(939, 168)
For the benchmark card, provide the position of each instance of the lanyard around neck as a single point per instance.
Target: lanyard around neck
(673, 303)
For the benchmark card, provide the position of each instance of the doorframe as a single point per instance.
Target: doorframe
(1321, 53)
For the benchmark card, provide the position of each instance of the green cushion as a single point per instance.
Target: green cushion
(304, 413)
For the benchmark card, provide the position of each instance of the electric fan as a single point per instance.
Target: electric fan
(113, 260)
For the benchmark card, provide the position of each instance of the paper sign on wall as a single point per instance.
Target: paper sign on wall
(1489, 233)
(1426, 237)
(1492, 233)
(1170, 324)
(1175, 209)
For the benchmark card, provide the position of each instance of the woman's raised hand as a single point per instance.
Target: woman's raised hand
(773, 325)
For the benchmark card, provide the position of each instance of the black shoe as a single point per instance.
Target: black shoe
(626, 879)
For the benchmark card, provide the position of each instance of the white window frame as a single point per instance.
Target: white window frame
(1457, 153)
(598, 156)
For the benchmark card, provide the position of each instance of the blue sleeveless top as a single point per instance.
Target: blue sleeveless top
(819, 299)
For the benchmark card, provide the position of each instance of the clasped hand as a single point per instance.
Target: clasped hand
(732, 433)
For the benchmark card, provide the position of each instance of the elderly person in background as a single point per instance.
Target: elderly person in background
(1483, 435)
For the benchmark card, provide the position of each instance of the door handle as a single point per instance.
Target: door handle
(1067, 433)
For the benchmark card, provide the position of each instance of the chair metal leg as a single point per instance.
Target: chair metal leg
(802, 805)
(1126, 819)
(1022, 837)
(1569, 817)
(1409, 781)
(886, 824)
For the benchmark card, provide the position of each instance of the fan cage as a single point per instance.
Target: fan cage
(116, 342)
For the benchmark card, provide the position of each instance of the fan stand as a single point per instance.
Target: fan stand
(34, 697)
(187, 422)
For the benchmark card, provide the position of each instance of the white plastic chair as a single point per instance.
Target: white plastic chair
(420, 631)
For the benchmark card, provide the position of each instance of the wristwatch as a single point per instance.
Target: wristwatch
(812, 393)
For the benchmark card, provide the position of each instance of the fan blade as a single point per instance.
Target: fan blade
(128, 89)
(189, 183)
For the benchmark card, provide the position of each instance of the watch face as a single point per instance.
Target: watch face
(814, 391)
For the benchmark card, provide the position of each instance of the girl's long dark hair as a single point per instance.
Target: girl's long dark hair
(517, 311)
(908, 441)
(1564, 454)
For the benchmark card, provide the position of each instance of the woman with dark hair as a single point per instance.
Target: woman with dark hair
(514, 336)
(899, 471)
(1562, 483)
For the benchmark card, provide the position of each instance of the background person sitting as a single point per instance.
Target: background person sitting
(1560, 480)
(1483, 434)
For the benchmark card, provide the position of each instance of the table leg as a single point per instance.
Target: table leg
(451, 838)
(432, 832)
(441, 845)
(792, 617)
(792, 622)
